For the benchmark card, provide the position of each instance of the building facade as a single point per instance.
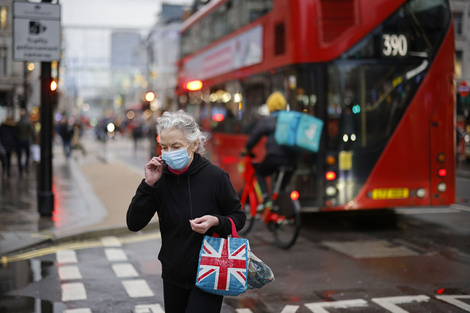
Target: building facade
(18, 79)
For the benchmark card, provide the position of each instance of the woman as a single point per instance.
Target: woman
(192, 197)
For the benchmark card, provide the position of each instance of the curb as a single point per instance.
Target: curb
(103, 232)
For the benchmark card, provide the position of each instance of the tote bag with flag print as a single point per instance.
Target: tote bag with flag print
(223, 264)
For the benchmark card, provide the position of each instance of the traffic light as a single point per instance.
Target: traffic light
(148, 97)
(356, 109)
(53, 91)
(193, 85)
(53, 85)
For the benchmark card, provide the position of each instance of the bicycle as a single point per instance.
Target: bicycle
(282, 217)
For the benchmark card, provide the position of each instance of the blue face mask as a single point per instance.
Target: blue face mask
(177, 159)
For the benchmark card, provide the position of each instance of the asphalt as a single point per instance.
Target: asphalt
(91, 192)
(91, 196)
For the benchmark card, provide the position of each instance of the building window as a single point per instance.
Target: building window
(458, 64)
(458, 21)
(3, 17)
(3, 61)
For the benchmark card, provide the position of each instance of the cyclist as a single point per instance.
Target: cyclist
(276, 155)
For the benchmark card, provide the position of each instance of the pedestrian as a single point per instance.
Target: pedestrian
(192, 197)
(137, 134)
(25, 135)
(65, 132)
(9, 141)
(76, 138)
(3, 158)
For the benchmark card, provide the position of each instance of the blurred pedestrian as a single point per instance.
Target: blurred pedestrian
(25, 135)
(76, 138)
(3, 158)
(137, 134)
(65, 132)
(9, 141)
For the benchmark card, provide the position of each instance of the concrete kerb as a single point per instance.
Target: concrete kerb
(103, 232)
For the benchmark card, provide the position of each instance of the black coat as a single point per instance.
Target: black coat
(266, 126)
(204, 189)
(9, 137)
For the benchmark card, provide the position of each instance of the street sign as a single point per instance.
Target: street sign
(36, 31)
(463, 88)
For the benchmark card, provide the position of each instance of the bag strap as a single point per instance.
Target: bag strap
(234, 230)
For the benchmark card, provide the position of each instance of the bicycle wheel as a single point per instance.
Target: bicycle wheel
(250, 219)
(286, 226)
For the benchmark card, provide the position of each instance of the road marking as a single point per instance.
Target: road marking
(369, 249)
(390, 303)
(114, 255)
(290, 309)
(137, 288)
(78, 311)
(318, 307)
(125, 270)
(286, 309)
(66, 256)
(460, 207)
(110, 241)
(148, 308)
(75, 246)
(453, 300)
(73, 292)
(428, 210)
(69, 272)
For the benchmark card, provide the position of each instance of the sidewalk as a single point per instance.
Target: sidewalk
(91, 198)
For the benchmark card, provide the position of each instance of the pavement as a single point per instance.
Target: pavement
(92, 193)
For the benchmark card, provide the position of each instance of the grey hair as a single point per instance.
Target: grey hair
(185, 123)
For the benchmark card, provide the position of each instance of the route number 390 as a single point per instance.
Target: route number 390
(394, 45)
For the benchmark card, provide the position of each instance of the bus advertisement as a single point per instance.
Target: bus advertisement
(379, 74)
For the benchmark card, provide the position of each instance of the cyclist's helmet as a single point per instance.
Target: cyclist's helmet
(276, 102)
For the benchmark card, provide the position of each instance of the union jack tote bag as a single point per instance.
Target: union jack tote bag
(223, 265)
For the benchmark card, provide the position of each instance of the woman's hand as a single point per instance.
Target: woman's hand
(153, 170)
(202, 224)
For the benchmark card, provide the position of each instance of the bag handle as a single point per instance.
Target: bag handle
(234, 230)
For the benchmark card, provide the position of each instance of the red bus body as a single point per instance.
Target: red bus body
(413, 166)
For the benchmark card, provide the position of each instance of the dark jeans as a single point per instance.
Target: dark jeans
(270, 165)
(67, 147)
(7, 163)
(194, 300)
(23, 145)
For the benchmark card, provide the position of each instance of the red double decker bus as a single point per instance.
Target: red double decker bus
(380, 74)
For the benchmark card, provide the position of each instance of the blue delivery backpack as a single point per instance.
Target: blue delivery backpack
(298, 131)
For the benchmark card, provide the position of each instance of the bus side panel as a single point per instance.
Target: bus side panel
(226, 150)
(410, 158)
(443, 123)
(320, 37)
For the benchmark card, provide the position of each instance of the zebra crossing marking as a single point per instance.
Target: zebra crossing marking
(148, 308)
(73, 292)
(66, 256)
(137, 288)
(86, 310)
(124, 270)
(114, 254)
(69, 272)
